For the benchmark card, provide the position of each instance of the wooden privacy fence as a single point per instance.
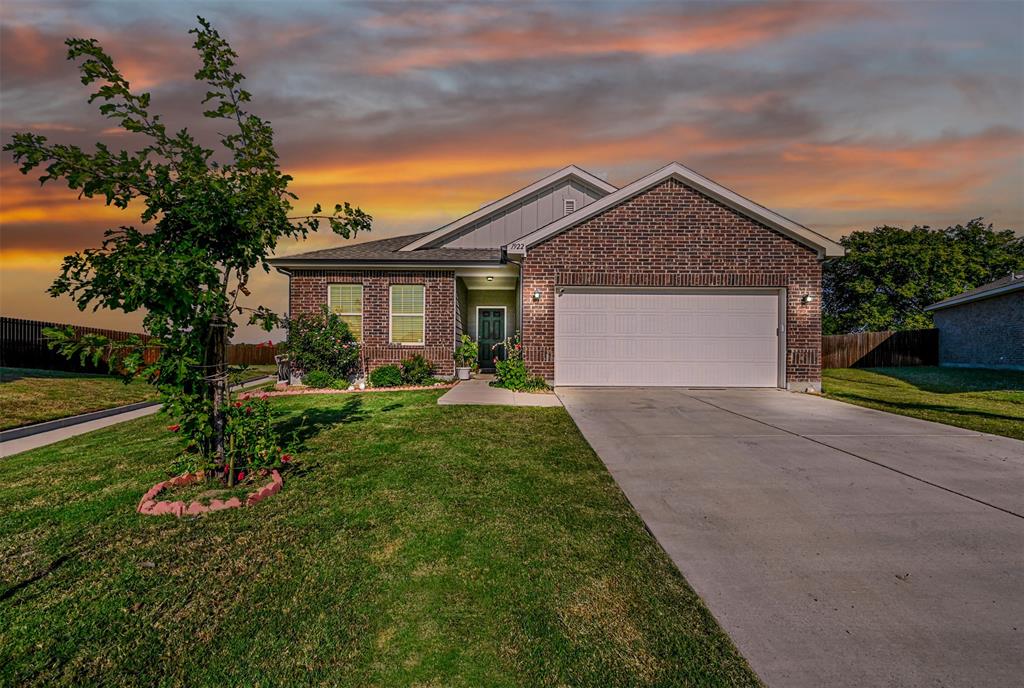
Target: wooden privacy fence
(22, 345)
(880, 349)
(253, 354)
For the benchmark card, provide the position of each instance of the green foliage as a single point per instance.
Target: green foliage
(386, 376)
(210, 217)
(467, 353)
(319, 379)
(511, 372)
(252, 440)
(416, 370)
(890, 275)
(322, 341)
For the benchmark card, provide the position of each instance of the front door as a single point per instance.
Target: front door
(490, 331)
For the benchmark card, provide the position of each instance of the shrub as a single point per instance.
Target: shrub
(416, 370)
(320, 379)
(467, 353)
(386, 376)
(510, 373)
(251, 440)
(322, 342)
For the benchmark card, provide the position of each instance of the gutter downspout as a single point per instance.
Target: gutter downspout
(519, 306)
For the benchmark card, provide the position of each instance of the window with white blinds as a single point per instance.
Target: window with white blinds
(407, 313)
(347, 301)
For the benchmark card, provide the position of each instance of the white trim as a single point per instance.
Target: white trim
(284, 267)
(570, 172)
(423, 338)
(489, 288)
(960, 300)
(504, 320)
(825, 247)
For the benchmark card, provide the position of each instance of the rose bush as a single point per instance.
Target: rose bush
(322, 341)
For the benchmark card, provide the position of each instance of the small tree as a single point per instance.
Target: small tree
(211, 219)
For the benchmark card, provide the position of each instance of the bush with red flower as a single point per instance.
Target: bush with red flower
(322, 342)
(510, 369)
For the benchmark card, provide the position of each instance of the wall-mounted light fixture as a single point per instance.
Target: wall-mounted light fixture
(490, 278)
(536, 294)
(808, 298)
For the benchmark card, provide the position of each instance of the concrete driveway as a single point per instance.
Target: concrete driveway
(837, 545)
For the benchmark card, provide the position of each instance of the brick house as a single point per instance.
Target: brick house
(672, 279)
(983, 327)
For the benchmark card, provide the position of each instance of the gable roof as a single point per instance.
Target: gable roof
(826, 248)
(572, 172)
(1003, 285)
(385, 251)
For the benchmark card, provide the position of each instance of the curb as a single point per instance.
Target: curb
(58, 423)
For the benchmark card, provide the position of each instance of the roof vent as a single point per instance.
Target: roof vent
(570, 206)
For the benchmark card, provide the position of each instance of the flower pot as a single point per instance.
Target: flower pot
(463, 373)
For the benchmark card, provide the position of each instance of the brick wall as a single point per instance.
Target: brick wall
(673, 236)
(308, 292)
(985, 333)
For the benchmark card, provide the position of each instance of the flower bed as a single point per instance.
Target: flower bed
(152, 507)
(313, 390)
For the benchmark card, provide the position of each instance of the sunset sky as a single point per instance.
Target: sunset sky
(842, 116)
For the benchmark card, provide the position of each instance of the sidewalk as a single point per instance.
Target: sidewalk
(478, 391)
(41, 439)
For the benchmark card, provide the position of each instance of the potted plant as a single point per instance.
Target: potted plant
(466, 354)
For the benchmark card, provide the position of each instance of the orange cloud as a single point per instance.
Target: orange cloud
(658, 35)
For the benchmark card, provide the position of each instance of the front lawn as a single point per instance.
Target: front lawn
(33, 396)
(417, 545)
(973, 398)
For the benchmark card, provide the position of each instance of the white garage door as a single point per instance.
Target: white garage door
(697, 338)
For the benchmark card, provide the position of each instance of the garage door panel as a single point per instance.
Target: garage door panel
(686, 339)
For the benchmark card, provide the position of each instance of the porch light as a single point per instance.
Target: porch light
(808, 298)
(490, 278)
(536, 294)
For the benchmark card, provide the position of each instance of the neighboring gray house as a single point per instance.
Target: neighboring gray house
(983, 327)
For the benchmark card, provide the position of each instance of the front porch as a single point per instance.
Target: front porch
(487, 308)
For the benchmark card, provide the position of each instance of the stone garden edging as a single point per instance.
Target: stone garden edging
(151, 507)
(314, 390)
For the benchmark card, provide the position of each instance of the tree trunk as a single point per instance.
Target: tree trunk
(219, 375)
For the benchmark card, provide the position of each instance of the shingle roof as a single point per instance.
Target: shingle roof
(386, 251)
(1011, 282)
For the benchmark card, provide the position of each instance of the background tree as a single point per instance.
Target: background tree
(211, 218)
(890, 275)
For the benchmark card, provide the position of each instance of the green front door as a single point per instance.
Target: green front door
(490, 331)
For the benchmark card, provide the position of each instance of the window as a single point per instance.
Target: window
(407, 303)
(347, 301)
(570, 205)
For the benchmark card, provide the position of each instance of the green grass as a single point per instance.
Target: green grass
(33, 396)
(973, 398)
(417, 544)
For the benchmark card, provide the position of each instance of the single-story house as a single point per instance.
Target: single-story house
(983, 327)
(672, 279)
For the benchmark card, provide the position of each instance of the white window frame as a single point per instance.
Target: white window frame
(362, 293)
(392, 316)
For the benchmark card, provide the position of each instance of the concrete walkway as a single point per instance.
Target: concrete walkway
(836, 545)
(22, 444)
(478, 391)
